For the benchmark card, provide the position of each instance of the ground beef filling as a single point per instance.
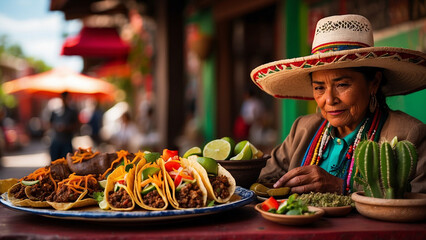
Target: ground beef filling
(220, 186)
(63, 194)
(42, 190)
(190, 196)
(153, 199)
(18, 191)
(120, 199)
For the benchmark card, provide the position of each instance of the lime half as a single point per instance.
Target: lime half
(245, 153)
(209, 164)
(218, 149)
(193, 151)
(231, 141)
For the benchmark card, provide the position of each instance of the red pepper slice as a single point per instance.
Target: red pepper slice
(172, 165)
(270, 204)
(170, 154)
(122, 182)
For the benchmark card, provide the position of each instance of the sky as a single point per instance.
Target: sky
(39, 31)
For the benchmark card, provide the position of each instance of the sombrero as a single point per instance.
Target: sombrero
(343, 41)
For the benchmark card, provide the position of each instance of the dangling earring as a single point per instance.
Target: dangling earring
(373, 103)
(318, 110)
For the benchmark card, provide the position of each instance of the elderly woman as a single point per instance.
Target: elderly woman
(349, 80)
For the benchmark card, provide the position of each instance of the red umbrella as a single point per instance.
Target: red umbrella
(59, 80)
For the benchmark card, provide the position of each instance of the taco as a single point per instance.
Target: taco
(74, 192)
(118, 190)
(149, 188)
(185, 186)
(219, 182)
(34, 189)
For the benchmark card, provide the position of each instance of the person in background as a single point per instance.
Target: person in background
(128, 136)
(349, 79)
(64, 124)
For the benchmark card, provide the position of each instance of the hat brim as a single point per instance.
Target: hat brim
(404, 70)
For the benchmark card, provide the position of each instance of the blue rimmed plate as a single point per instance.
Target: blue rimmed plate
(241, 197)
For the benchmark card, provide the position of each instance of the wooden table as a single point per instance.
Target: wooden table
(241, 223)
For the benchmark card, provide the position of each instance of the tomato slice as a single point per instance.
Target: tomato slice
(167, 154)
(178, 180)
(122, 182)
(172, 165)
(270, 204)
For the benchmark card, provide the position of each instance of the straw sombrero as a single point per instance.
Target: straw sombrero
(343, 41)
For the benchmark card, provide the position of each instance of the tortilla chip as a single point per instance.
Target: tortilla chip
(192, 161)
(24, 202)
(171, 190)
(80, 202)
(111, 182)
(5, 184)
(137, 188)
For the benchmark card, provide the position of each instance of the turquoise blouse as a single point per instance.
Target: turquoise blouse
(334, 155)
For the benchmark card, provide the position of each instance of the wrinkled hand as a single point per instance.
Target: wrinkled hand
(310, 179)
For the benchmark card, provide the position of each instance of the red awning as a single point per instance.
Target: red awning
(96, 42)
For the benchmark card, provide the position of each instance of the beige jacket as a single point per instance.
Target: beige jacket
(290, 153)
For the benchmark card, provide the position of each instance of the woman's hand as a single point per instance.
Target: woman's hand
(310, 179)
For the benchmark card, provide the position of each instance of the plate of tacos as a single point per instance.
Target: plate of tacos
(123, 186)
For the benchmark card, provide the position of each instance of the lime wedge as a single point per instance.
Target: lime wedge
(209, 164)
(256, 153)
(218, 149)
(103, 205)
(231, 141)
(193, 151)
(102, 183)
(240, 146)
(245, 153)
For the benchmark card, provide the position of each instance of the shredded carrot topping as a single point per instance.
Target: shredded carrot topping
(59, 161)
(121, 154)
(74, 182)
(83, 154)
(39, 174)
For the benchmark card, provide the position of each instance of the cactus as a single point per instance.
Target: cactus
(389, 177)
(387, 170)
(407, 161)
(369, 167)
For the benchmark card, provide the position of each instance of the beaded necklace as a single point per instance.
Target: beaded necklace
(370, 128)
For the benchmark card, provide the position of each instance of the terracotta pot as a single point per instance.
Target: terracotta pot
(410, 209)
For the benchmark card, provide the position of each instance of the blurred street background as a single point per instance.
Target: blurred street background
(155, 74)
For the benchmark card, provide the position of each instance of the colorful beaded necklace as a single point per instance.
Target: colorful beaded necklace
(370, 129)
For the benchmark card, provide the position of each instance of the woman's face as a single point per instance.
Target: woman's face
(343, 96)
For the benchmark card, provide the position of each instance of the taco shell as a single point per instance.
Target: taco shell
(137, 187)
(24, 202)
(171, 190)
(80, 202)
(192, 161)
(5, 184)
(112, 179)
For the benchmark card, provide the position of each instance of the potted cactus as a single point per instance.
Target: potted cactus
(385, 171)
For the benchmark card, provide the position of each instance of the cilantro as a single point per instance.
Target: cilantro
(152, 156)
(98, 196)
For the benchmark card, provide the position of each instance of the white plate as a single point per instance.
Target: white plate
(241, 197)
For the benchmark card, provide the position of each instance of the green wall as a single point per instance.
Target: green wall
(295, 17)
(413, 103)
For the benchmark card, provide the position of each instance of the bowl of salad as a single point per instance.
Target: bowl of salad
(291, 211)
